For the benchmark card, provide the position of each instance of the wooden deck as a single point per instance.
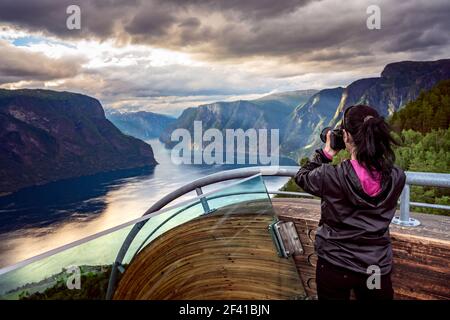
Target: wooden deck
(213, 257)
(421, 255)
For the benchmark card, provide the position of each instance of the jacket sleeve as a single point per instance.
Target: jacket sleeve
(310, 176)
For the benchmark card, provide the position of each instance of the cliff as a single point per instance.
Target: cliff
(47, 136)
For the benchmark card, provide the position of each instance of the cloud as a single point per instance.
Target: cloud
(235, 29)
(18, 64)
(153, 52)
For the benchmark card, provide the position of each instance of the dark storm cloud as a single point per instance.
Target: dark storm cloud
(245, 8)
(156, 22)
(293, 30)
(305, 34)
(98, 17)
(134, 18)
(18, 64)
(191, 22)
(419, 28)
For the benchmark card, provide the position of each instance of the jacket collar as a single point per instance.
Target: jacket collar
(355, 188)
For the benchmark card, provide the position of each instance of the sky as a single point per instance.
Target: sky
(166, 55)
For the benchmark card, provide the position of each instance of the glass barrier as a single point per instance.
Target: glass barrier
(202, 248)
(252, 188)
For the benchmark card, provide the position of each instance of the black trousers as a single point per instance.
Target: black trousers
(336, 283)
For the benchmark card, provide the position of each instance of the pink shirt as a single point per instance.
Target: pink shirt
(371, 186)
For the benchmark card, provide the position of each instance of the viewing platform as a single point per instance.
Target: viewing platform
(237, 241)
(241, 262)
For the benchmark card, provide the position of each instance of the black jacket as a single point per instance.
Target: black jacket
(353, 230)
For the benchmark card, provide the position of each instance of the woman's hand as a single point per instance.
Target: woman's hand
(327, 148)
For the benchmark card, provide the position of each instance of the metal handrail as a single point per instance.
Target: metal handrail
(412, 178)
(427, 179)
(201, 198)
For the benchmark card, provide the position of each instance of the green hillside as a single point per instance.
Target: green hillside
(423, 127)
(430, 111)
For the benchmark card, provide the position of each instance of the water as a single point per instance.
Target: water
(38, 219)
(102, 251)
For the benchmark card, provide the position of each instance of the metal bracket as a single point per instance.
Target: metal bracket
(411, 222)
(285, 238)
(120, 268)
(204, 202)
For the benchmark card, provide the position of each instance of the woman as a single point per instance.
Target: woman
(359, 199)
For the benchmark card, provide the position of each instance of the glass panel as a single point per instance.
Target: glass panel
(252, 188)
(48, 278)
(225, 253)
(229, 224)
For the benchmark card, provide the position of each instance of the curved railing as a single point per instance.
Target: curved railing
(92, 257)
(413, 178)
(193, 204)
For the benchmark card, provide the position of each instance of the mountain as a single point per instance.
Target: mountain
(143, 125)
(47, 136)
(286, 99)
(399, 83)
(301, 115)
(307, 120)
(269, 112)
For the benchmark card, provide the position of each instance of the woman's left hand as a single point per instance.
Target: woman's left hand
(327, 148)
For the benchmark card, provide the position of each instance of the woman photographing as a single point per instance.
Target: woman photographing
(359, 199)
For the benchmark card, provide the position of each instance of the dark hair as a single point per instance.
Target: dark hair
(371, 137)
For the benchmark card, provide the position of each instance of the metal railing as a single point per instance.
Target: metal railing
(425, 179)
(412, 178)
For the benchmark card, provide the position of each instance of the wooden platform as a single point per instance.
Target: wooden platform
(214, 257)
(421, 254)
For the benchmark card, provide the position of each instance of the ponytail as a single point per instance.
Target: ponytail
(372, 139)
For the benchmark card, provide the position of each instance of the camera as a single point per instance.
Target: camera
(336, 138)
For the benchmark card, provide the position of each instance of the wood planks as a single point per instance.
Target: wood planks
(421, 264)
(231, 256)
(212, 257)
(421, 267)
